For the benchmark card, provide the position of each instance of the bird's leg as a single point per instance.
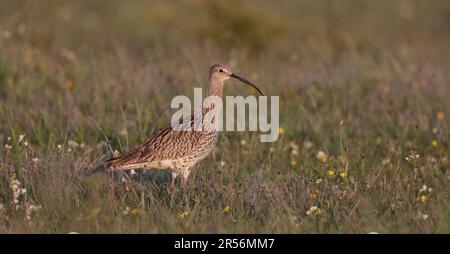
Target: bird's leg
(174, 177)
(184, 176)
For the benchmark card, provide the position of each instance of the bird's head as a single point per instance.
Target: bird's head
(220, 72)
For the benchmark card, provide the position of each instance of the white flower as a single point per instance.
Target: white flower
(9, 138)
(73, 144)
(307, 145)
(23, 191)
(60, 147)
(313, 211)
(8, 147)
(126, 211)
(321, 155)
(222, 163)
(132, 172)
(21, 137)
(36, 159)
(243, 142)
(25, 143)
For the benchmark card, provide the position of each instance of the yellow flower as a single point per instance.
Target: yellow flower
(183, 214)
(440, 115)
(434, 143)
(293, 163)
(227, 209)
(423, 198)
(343, 174)
(134, 212)
(313, 194)
(281, 130)
(330, 173)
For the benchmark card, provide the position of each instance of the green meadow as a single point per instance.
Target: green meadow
(364, 92)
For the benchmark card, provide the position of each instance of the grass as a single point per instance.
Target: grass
(363, 89)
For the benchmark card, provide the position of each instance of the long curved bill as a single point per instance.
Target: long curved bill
(243, 80)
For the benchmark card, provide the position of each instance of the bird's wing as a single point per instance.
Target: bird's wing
(163, 146)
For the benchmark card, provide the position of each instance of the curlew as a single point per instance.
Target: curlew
(176, 150)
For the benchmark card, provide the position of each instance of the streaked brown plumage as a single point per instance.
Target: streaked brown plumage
(178, 150)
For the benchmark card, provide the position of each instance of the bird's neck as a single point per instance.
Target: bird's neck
(215, 88)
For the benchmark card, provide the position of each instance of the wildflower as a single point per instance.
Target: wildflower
(21, 137)
(294, 147)
(313, 194)
(134, 212)
(343, 174)
(8, 147)
(307, 144)
(35, 160)
(435, 130)
(116, 154)
(9, 138)
(25, 143)
(126, 211)
(69, 150)
(413, 156)
(183, 215)
(222, 163)
(293, 163)
(227, 209)
(330, 173)
(424, 216)
(243, 142)
(440, 115)
(425, 188)
(132, 172)
(31, 210)
(313, 211)
(434, 143)
(281, 131)
(73, 144)
(59, 147)
(322, 156)
(423, 198)
(318, 181)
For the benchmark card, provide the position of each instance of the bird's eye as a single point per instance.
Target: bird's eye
(220, 70)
